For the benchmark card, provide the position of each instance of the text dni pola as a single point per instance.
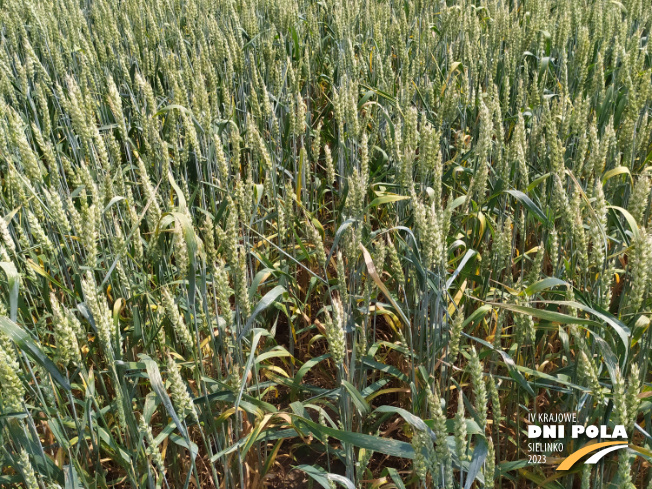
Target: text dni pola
(554, 431)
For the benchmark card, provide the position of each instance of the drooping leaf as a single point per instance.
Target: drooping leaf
(531, 206)
(25, 343)
(544, 284)
(263, 304)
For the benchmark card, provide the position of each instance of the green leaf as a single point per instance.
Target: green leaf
(386, 199)
(477, 315)
(338, 234)
(551, 316)
(170, 107)
(537, 181)
(410, 418)
(610, 359)
(258, 334)
(262, 275)
(122, 457)
(180, 196)
(531, 206)
(470, 253)
(393, 473)
(619, 170)
(72, 479)
(388, 446)
(356, 397)
(512, 368)
(305, 368)
(477, 459)
(633, 225)
(371, 268)
(13, 279)
(457, 202)
(26, 344)
(621, 330)
(157, 384)
(365, 98)
(263, 304)
(189, 445)
(341, 480)
(316, 473)
(472, 427)
(551, 378)
(389, 369)
(544, 284)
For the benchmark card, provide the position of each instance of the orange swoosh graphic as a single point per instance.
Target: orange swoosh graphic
(575, 456)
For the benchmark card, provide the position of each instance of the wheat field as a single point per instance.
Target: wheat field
(337, 243)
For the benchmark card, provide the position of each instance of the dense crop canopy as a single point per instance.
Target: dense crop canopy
(274, 243)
